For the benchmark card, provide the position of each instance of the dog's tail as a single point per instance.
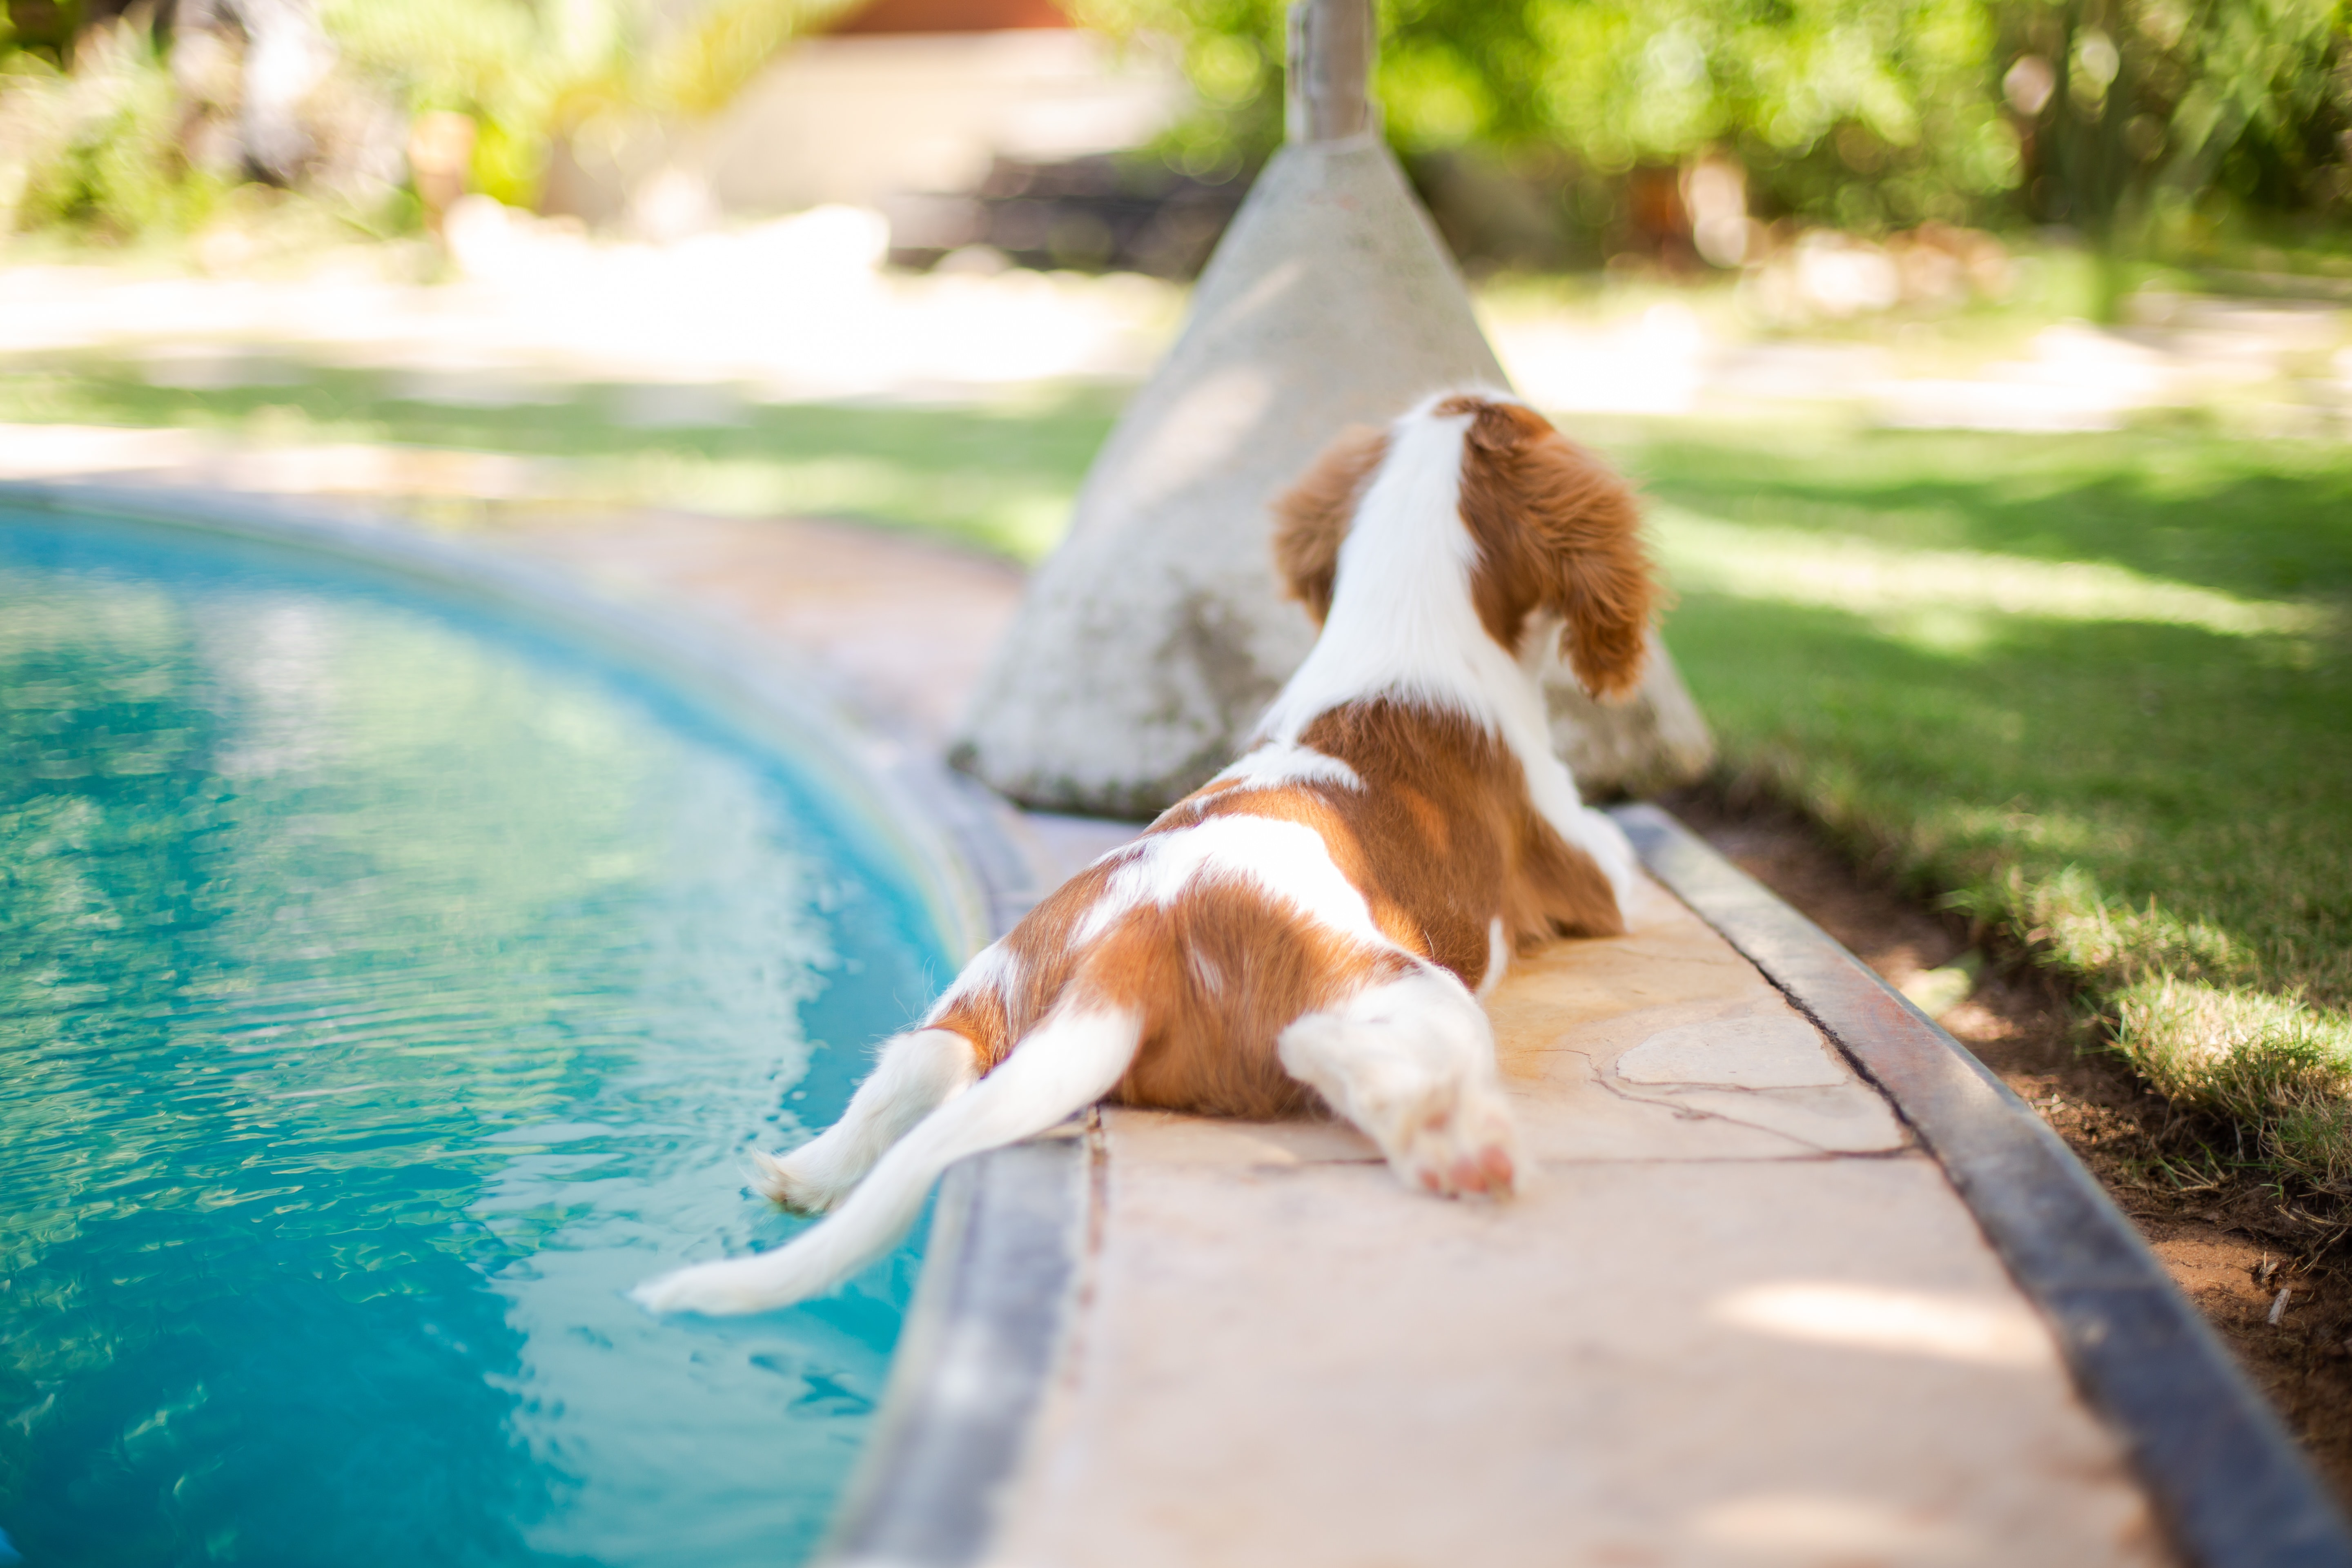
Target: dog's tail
(1071, 1060)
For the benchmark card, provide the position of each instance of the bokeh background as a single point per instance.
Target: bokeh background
(1548, 134)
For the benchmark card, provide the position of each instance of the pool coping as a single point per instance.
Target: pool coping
(2230, 1486)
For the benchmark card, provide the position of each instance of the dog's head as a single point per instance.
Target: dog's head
(1557, 534)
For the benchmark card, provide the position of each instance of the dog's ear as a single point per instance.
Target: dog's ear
(1312, 517)
(1583, 530)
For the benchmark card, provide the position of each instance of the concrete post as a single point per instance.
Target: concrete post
(1328, 96)
(1151, 641)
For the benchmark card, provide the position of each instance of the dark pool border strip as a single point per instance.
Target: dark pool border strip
(1002, 1275)
(983, 1338)
(2228, 1480)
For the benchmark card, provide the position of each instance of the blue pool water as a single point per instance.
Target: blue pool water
(383, 991)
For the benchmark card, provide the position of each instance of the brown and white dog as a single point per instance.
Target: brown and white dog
(1319, 922)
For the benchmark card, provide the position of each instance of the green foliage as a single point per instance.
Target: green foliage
(1812, 94)
(97, 145)
(2155, 106)
(505, 64)
(97, 148)
(1866, 113)
(527, 71)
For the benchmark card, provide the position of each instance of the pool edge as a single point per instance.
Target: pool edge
(2231, 1484)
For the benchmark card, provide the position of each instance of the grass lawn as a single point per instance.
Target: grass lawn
(999, 477)
(2094, 691)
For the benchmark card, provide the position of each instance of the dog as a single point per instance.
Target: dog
(1318, 924)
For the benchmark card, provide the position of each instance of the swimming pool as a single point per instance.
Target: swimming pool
(385, 987)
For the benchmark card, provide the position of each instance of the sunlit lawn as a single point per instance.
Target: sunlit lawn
(998, 476)
(2096, 690)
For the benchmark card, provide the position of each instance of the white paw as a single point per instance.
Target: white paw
(800, 1184)
(757, 1282)
(712, 1287)
(1465, 1145)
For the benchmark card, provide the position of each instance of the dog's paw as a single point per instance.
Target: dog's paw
(1468, 1148)
(797, 1183)
(708, 1288)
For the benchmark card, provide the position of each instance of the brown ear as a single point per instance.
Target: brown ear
(1586, 529)
(1312, 517)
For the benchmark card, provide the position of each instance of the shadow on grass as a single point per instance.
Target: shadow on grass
(2197, 787)
(2261, 519)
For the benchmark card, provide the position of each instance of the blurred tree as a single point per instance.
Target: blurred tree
(2140, 110)
(1861, 112)
(2121, 118)
(96, 145)
(282, 58)
(527, 71)
(104, 115)
(507, 65)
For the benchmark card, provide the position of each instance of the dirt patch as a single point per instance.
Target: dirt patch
(2231, 1241)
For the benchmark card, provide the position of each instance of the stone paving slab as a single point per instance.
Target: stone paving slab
(1701, 1336)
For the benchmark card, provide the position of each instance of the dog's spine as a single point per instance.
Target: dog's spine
(1071, 1060)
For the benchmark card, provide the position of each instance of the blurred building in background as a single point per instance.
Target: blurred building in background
(985, 129)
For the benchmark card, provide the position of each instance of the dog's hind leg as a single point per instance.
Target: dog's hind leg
(1066, 1064)
(918, 1072)
(1412, 1062)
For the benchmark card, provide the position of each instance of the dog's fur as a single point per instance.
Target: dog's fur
(1317, 922)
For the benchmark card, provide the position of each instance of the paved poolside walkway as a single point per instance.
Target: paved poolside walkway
(1741, 1318)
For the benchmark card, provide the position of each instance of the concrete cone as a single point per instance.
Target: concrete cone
(1151, 641)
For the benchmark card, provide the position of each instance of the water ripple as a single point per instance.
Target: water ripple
(381, 994)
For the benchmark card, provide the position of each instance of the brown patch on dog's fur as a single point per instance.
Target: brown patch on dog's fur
(1449, 837)
(1440, 841)
(1312, 517)
(1556, 531)
(1217, 976)
(995, 1014)
(1221, 972)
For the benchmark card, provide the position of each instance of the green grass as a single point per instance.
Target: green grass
(2095, 691)
(999, 477)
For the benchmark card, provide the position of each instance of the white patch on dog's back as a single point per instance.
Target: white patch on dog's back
(1287, 862)
(996, 967)
(1404, 623)
(1280, 763)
